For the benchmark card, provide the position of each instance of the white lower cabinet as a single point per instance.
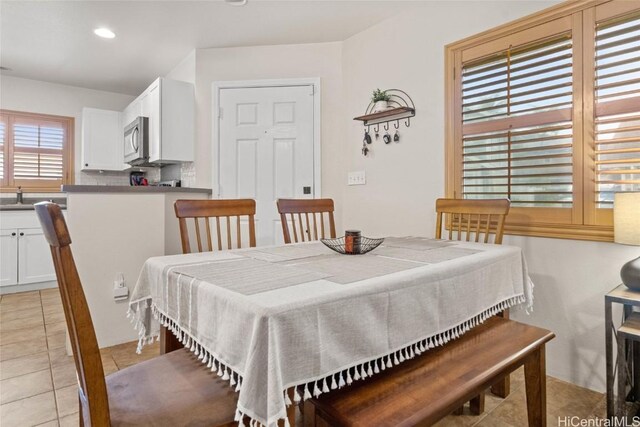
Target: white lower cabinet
(34, 257)
(25, 255)
(8, 257)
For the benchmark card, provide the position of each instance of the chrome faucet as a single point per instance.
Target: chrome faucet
(19, 196)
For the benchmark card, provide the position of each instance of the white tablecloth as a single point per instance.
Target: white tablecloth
(269, 319)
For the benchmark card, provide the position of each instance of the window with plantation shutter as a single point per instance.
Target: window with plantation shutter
(516, 125)
(37, 151)
(545, 111)
(617, 107)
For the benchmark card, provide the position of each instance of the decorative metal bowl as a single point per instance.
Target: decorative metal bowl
(366, 244)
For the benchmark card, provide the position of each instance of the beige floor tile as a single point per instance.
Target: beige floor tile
(59, 356)
(72, 420)
(56, 340)
(64, 375)
(54, 317)
(24, 386)
(67, 399)
(24, 365)
(23, 323)
(28, 412)
(493, 420)
(51, 309)
(600, 410)
(20, 297)
(11, 351)
(56, 328)
(109, 365)
(49, 292)
(565, 399)
(512, 411)
(50, 424)
(19, 314)
(125, 354)
(20, 335)
(8, 307)
(51, 302)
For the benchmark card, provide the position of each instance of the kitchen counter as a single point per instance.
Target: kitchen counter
(10, 205)
(131, 189)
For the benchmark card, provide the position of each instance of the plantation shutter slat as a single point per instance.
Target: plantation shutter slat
(517, 133)
(617, 108)
(38, 151)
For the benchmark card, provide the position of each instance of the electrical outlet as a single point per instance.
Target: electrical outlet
(357, 178)
(119, 282)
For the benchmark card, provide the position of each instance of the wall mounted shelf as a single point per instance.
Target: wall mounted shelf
(401, 106)
(387, 115)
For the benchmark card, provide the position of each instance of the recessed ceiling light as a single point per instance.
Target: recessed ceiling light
(236, 2)
(105, 33)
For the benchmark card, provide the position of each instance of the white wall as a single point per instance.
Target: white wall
(276, 62)
(116, 233)
(185, 70)
(403, 180)
(49, 98)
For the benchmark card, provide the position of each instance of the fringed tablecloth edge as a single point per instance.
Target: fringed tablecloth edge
(315, 386)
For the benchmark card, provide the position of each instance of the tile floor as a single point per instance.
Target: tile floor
(38, 379)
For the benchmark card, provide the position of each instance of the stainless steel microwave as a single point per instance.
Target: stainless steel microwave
(136, 141)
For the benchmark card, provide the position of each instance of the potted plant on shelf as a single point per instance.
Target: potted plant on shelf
(380, 98)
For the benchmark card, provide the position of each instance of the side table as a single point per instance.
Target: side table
(627, 341)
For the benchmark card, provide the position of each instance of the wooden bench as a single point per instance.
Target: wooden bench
(425, 389)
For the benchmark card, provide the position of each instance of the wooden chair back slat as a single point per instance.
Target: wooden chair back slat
(198, 234)
(295, 233)
(489, 216)
(209, 243)
(92, 387)
(301, 227)
(219, 233)
(238, 231)
(295, 208)
(207, 210)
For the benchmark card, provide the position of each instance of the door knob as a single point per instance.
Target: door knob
(22, 234)
(13, 234)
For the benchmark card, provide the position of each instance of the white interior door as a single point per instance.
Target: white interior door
(266, 150)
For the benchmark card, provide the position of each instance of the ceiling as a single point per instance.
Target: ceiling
(54, 41)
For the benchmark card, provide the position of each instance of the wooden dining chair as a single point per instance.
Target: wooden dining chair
(172, 389)
(476, 221)
(472, 219)
(302, 208)
(206, 210)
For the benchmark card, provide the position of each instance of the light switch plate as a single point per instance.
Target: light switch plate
(357, 178)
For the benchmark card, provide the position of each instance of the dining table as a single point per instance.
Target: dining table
(287, 322)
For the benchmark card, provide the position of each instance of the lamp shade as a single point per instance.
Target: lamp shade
(626, 218)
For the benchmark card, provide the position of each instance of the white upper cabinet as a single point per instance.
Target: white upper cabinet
(130, 113)
(170, 107)
(102, 140)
